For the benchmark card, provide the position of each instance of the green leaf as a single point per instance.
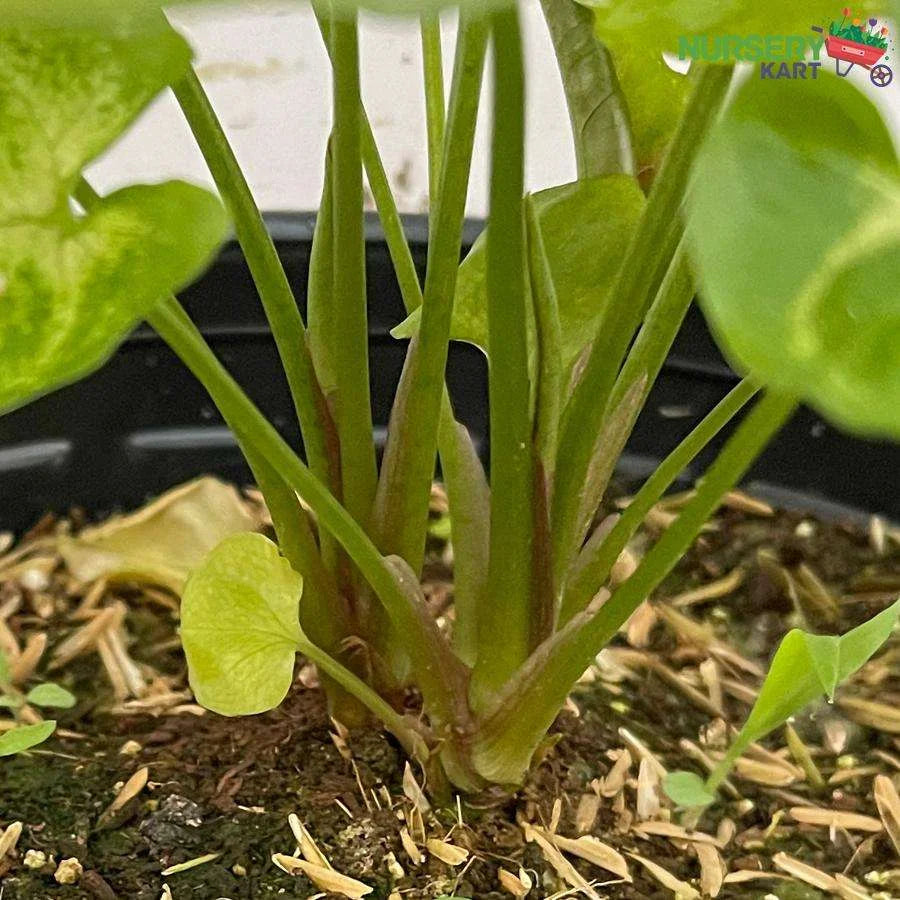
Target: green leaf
(794, 222)
(600, 121)
(25, 737)
(10, 701)
(687, 789)
(163, 541)
(806, 666)
(585, 227)
(239, 626)
(113, 15)
(50, 695)
(4, 668)
(70, 287)
(655, 95)
(65, 98)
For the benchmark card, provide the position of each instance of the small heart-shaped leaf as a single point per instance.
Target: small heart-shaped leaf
(239, 626)
(687, 789)
(50, 695)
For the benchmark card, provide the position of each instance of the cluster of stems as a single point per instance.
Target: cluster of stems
(530, 565)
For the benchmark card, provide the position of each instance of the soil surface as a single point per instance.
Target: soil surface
(661, 698)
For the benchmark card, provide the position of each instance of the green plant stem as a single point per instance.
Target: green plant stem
(467, 488)
(295, 536)
(526, 708)
(351, 353)
(726, 763)
(391, 223)
(322, 611)
(596, 560)
(505, 629)
(267, 271)
(410, 739)
(632, 387)
(549, 342)
(647, 259)
(435, 112)
(428, 650)
(401, 508)
(597, 108)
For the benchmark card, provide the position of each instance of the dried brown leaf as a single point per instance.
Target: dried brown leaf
(569, 874)
(849, 889)
(324, 879)
(309, 849)
(715, 590)
(586, 813)
(712, 869)
(888, 803)
(676, 832)
(806, 873)
(768, 773)
(681, 889)
(835, 818)
(162, 542)
(128, 792)
(447, 853)
(9, 838)
(615, 780)
(593, 851)
(24, 667)
(416, 856)
(414, 792)
(741, 876)
(517, 885)
(647, 805)
(880, 716)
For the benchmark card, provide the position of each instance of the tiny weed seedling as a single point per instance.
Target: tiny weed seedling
(45, 695)
(777, 203)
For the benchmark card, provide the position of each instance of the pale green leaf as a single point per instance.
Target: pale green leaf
(10, 702)
(687, 789)
(586, 227)
(24, 737)
(163, 541)
(655, 95)
(597, 110)
(239, 626)
(65, 98)
(4, 668)
(806, 666)
(50, 695)
(71, 288)
(112, 15)
(795, 230)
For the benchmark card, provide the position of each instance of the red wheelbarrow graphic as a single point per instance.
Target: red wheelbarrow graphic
(853, 53)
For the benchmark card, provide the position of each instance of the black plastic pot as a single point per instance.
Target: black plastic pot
(143, 424)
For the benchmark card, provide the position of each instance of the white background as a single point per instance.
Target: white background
(267, 74)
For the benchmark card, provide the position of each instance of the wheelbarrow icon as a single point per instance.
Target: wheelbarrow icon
(853, 53)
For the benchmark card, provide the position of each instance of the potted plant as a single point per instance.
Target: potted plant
(575, 295)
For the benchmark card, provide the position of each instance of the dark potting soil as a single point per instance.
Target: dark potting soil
(226, 786)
